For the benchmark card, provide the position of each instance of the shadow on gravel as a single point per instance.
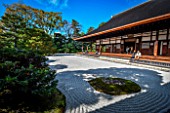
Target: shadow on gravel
(49, 61)
(59, 66)
(80, 92)
(63, 54)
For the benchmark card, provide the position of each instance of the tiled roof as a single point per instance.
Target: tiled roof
(150, 9)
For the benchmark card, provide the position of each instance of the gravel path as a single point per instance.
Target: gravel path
(73, 72)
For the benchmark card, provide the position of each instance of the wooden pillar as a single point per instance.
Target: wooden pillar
(156, 44)
(121, 47)
(82, 48)
(96, 47)
(140, 43)
(110, 45)
(156, 48)
(87, 48)
(91, 47)
(135, 44)
(100, 47)
(167, 41)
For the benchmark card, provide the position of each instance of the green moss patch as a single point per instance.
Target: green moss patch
(114, 86)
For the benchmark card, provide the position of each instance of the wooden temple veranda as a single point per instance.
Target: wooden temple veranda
(145, 28)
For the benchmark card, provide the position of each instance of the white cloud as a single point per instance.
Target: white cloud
(65, 3)
(39, 1)
(54, 3)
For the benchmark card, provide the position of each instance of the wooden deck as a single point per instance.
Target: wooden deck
(163, 59)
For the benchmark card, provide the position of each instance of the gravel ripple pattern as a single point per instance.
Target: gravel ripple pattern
(73, 73)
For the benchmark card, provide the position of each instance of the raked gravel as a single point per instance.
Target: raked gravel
(73, 72)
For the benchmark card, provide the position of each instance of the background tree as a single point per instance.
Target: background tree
(0, 27)
(72, 29)
(48, 21)
(66, 45)
(67, 29)
(102, 23)
(90, 29)
(29, 27)
(76, 28)
(23, 70)
(82, 33)
(12, 28)
(34, 25)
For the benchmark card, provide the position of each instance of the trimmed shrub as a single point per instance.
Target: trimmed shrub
(27, 82)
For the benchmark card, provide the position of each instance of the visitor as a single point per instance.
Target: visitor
(131, 50)
(86, 52)
(133, 56)
(127, 49)
(138, 55)
(96, 52)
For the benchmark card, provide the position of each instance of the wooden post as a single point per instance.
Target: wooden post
(91, 48)
(100, 47)
(156, 44)
(156, 48)
(135, 45)
(110, 46)
(87, 48)
(167, 41)
(82, 48)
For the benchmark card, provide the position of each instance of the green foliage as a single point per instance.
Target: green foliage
(90, 29)
(101, 24)
(12, 28)
(76, 28)
(25, 30)
(26, 81)
(115, 86)
(72, 29)
(26, 74)
(35, 18)
(66, 45)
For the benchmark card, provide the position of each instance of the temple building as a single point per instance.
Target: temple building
(145, 27)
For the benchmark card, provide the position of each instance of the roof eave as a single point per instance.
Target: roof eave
(145, 21)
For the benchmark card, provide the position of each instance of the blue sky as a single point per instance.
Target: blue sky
(86, 12)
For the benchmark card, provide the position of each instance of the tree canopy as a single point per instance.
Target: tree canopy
(90, 29)
(48, 21)
(24, 27)
(101, 24)
(25, 37)
(72, 29)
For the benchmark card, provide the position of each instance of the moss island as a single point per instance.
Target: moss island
(114, 86)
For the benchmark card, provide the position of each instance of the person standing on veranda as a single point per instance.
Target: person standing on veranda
(133, 56)
(131, 50)
(127, 49)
